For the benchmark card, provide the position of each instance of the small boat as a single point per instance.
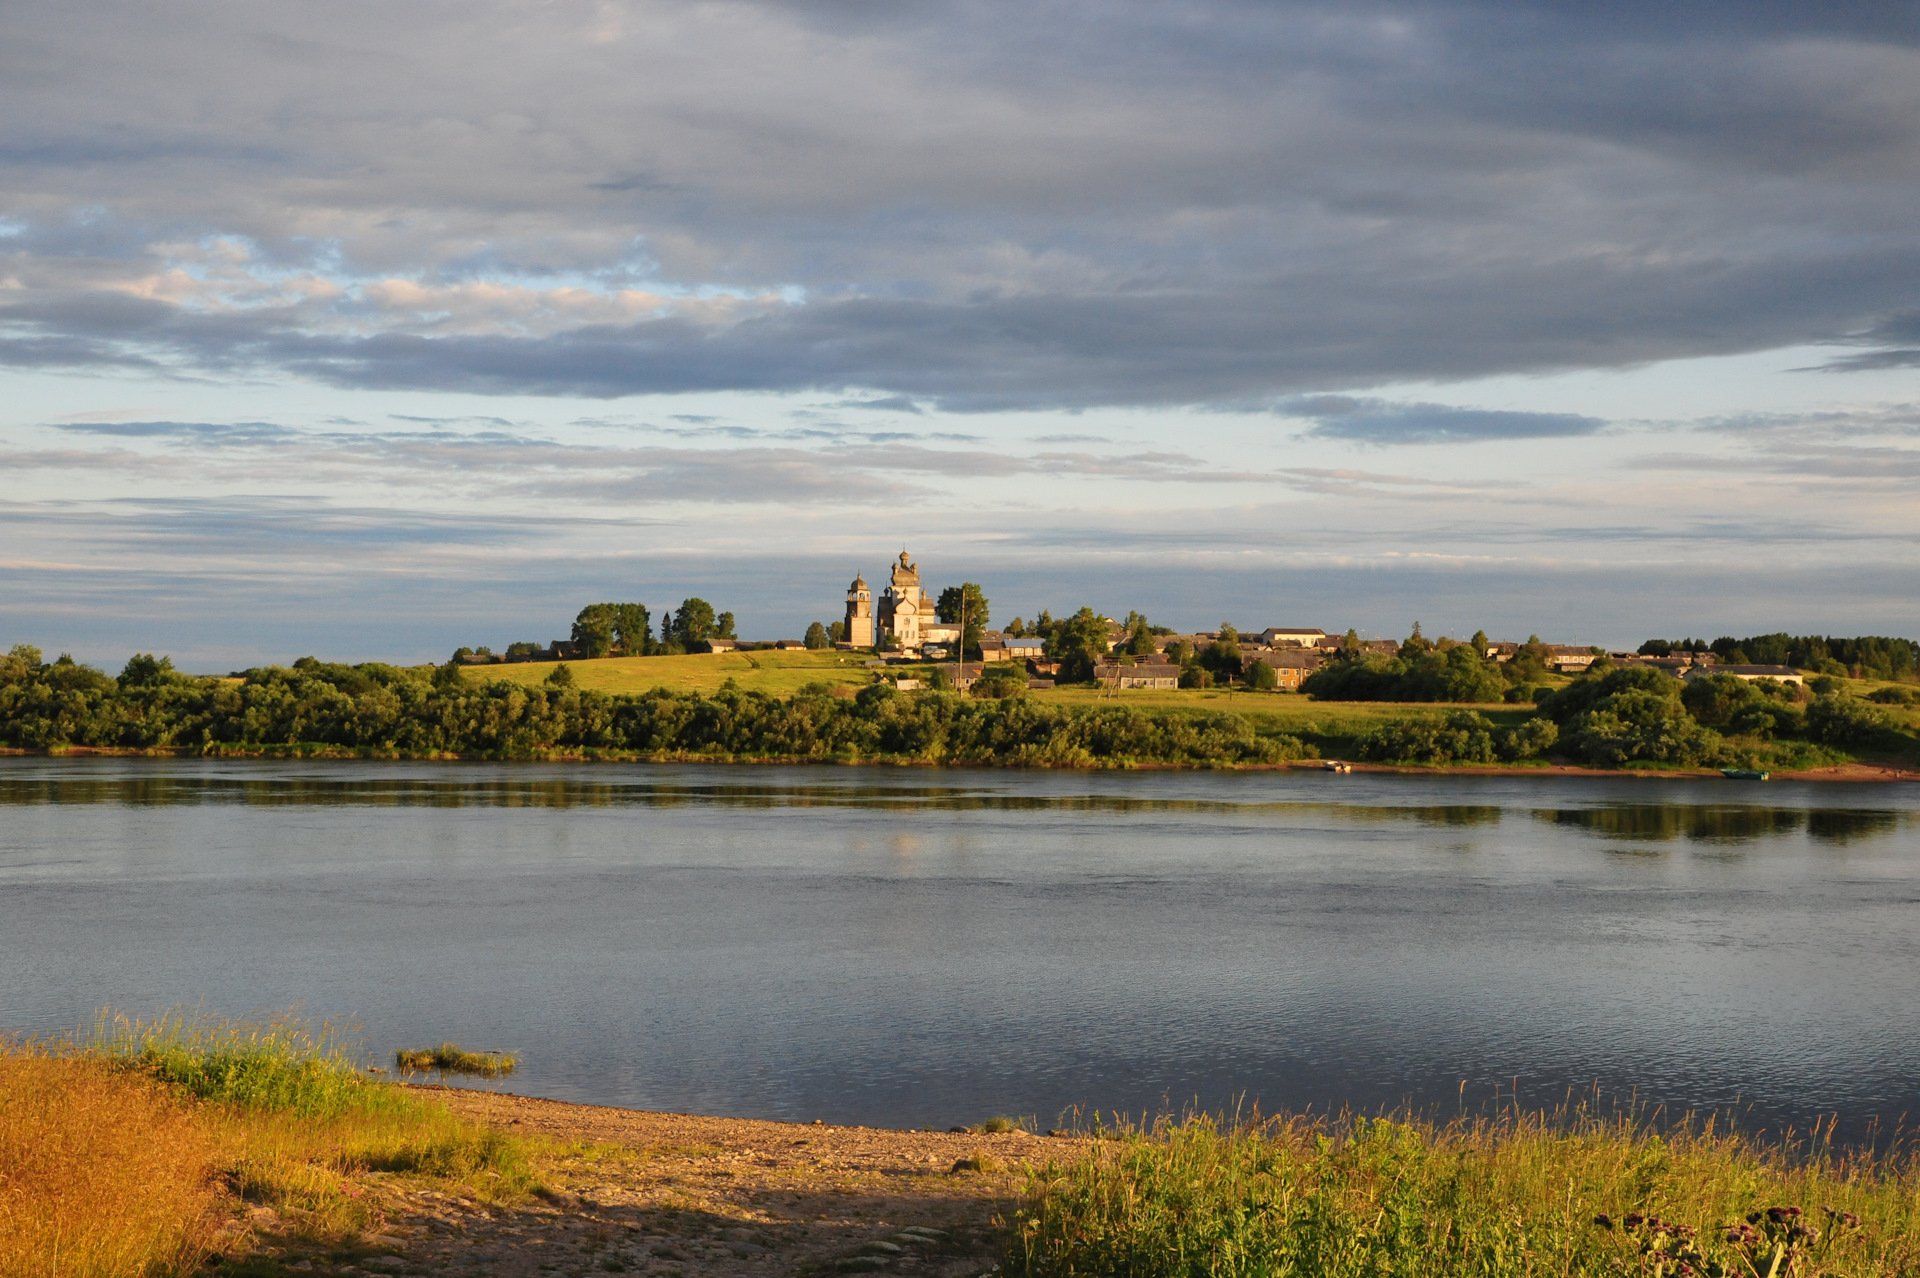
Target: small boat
(1336, 765)
(1745, 774)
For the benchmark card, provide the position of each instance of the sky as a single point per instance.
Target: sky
(369, 330)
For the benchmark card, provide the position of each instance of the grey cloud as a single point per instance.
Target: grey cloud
(978, 206)
(1375, 421)
(237, 434)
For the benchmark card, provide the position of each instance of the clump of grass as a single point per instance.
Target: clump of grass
(1000, 1124)
(1494, 1198)
(284, 1064)
(451, 1058)
(101, 1172)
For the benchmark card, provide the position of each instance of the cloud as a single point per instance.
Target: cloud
(1376, 421)
(985, 206)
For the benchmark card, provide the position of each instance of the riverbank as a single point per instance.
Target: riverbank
(699, 1197)
(1855, 772)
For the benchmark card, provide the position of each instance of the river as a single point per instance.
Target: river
(910, 947)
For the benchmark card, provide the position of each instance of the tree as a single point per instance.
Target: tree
(561, 676)
(1139, 640)
(602, 627)
(593, 630)
(633, 628)
(816, 637)
(723, 626)
(1079, 643)
(837, 632)
(692, 623)
(1416, 643)
(144, 670)
(1261, 677)
(1017, 629)
(964, 602)
(1222, 659)
(22, 661)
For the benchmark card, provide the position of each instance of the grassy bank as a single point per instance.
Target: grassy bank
(1512, 1196)
(155, 1146)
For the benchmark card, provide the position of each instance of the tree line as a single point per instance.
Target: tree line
(316, 707)
(1863, 657)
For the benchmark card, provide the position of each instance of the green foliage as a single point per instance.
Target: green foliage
(1001, 681)
(561, 676)
(282, 1065)
(1139, 641)
(1844, 721)
(451, 1058)
(1461, 737)
(1865, 657)
(691, 624)
(144, 670)
(1078, 644)
(964, 603)
(1514, 1197)
(1640, 725)
(1895, 696)
(816, 637)
(1260, 676)
(1421, 672)
(603, 628)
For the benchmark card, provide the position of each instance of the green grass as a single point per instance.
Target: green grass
(451, 1058)
(779, 673)
(1566, 1194)
(283, 1065)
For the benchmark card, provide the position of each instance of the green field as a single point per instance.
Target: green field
(779, 673)
(784, 673)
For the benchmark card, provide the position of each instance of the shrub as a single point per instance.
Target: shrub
(1844, 721)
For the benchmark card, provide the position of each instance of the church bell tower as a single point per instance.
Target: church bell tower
(859, 614)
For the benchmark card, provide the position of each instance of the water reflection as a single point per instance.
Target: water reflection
(1718, 823)
(562, 792)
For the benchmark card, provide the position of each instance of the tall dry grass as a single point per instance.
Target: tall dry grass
(129, 1153)
(102, 1172)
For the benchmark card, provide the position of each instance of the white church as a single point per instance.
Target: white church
(905, 618)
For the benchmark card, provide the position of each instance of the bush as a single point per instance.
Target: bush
(1530, 739)
(1462, 737)
(1640, 726)
(1844, 721)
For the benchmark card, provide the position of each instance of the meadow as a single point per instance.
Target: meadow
(774, 673)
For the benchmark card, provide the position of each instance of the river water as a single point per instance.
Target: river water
(917, 947)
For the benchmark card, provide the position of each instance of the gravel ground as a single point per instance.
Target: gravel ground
(675, 1194)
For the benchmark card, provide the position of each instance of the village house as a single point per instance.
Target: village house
(1566, 658)
(1120, 674)
(1283, 637)
(1025, 648)
(1783, 674)
(1290, 666)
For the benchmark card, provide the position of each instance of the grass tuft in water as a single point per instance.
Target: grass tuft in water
(451, 1058)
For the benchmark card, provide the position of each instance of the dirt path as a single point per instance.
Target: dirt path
(671, 1194)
